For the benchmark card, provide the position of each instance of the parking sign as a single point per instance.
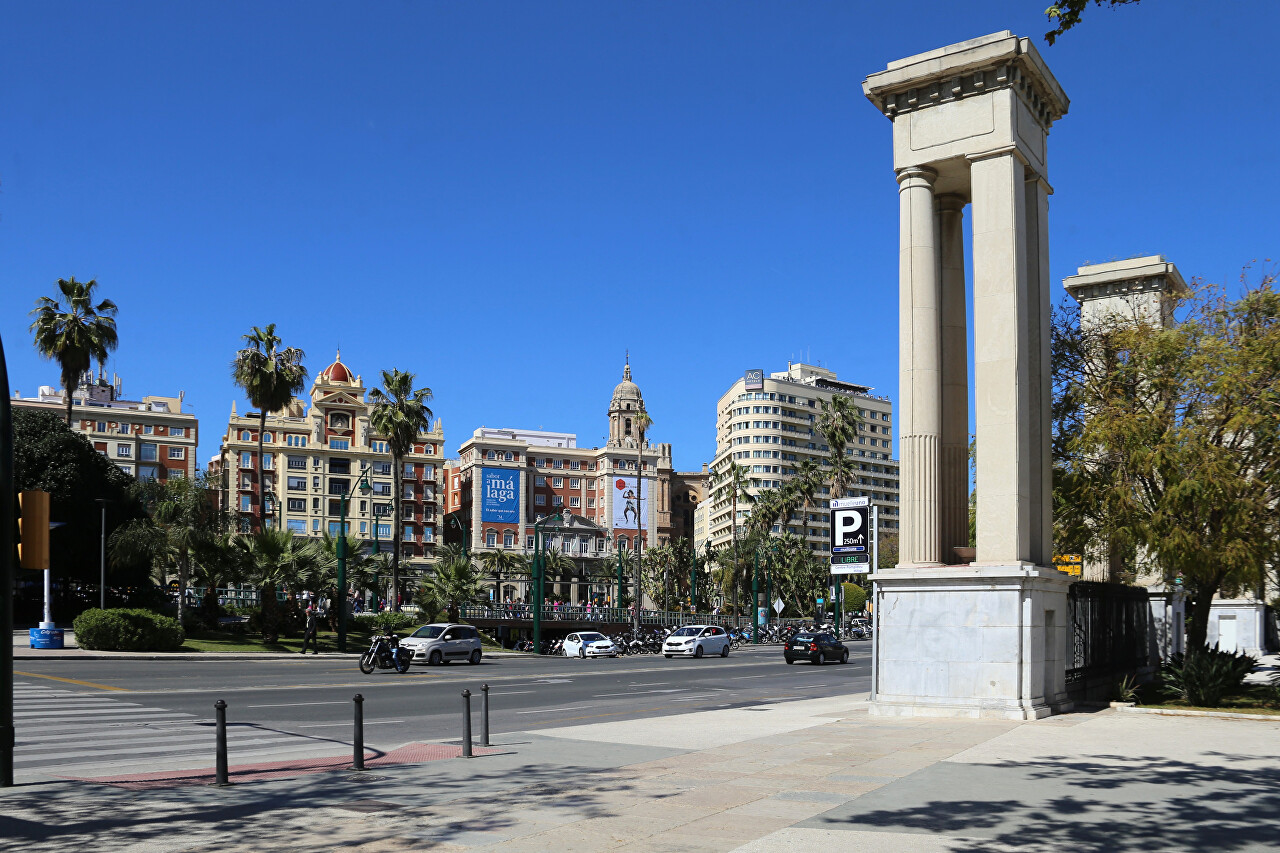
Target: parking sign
(850, 526)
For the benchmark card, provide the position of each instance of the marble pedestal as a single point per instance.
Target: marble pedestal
(976, 641)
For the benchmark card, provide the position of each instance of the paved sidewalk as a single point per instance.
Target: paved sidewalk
(808, 775)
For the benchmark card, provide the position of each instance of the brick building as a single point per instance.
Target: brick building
(149, 439)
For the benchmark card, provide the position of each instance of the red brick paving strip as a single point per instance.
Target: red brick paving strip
(414, 753)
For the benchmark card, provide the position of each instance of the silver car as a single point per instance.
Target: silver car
(442, 642)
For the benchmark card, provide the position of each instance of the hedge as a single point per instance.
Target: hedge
(121, 629)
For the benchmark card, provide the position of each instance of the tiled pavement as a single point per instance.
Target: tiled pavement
(808, 775)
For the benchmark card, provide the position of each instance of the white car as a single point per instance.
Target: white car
(589, 644)
(697, 641)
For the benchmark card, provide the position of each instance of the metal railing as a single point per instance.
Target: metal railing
(516, 612)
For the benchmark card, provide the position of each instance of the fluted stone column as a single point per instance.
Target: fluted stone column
(920, 430)
(953, 476)
(1040, 404)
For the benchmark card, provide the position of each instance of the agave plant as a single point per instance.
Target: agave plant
(1202, 677)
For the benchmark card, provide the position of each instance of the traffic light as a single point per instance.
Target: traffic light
(33, 530)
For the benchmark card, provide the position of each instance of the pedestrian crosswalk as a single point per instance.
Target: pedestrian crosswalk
(64, 732)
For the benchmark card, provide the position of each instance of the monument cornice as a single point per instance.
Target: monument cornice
(980, 66)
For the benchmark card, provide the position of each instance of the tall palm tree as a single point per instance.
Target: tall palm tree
(735, 479)
(74, 335)
(399, 414)
(839, 426)
(270, 377)
(808, 480)
(642, 422)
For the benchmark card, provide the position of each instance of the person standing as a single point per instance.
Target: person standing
(309, 636)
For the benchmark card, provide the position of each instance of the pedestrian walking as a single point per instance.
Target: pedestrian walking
(310, 634)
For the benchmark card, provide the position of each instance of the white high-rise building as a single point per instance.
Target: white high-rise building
(769, 424)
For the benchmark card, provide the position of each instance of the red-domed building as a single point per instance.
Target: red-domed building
(314, 454)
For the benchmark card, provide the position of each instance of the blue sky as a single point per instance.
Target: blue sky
(503, 197)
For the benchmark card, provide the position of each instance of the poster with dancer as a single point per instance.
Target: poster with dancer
(626, 509)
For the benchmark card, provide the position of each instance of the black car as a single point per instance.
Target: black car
(817, 648)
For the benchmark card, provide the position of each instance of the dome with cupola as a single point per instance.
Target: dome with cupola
(337, 372)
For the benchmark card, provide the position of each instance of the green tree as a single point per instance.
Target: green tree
(453, 583)
(732, 479)
(1167, 441)
(1067, 13)
(500, 563)
(273, 558)
(74, 334)
(270, 378)
(182, 519)
(838, 424)
(399, 415)
(49, 456)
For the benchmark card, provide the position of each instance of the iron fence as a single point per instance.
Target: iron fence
(1110, 626)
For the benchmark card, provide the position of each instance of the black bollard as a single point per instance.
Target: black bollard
(357, 749)
(220, 716)
(466, 723)
(484, 715)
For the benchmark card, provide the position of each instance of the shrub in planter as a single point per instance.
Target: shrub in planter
(1203, 676)
(127, 630)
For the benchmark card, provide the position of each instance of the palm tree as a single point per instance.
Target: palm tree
(839, 426)
(454, 582)
(182, 521)
(75, 335)
(274, 558)
(808, 480)
(734, 478)
(270, 377)
(399, 414)
(498, 563)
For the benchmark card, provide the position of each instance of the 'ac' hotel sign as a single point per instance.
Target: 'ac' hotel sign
(754, 379)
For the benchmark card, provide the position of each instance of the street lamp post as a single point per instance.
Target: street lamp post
(362, 482)
(755, 598)
(102, 556)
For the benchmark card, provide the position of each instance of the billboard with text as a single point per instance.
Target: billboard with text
(500, 495)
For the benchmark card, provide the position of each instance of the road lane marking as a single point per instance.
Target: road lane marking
(766, 675)
(555, 710)
(638, 692)
(334, 725)
(297, 705)
(92, 684)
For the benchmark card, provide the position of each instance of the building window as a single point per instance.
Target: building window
(147, 430)
(539, 481)
(408, 491)
(339, 486)
(128, 469)
(382, 489)
(383, 531)
(528, 543)
(559, 463)
(540, 500)
(267, 460)
(297, 525)
(339, 444)
(428, 533)
(124, 450)
(266, 436)
(334, 526)
(297, 484)
(408, 533)
(622, 543)
(297, 504)
(245, 435)
(100, 426)
(315, 525)
(339, 466)
(575, 483)
(428, 472)
(296, 463)
(591, 503)
(148, 453)
(575, 501)
(408, 469)
(508, 539)
(123, 429)
(557, 482)
(490, 539)
(245, 503)
(506, 457)
(556, 500)
(295, 440)
(576, 465)
(491, 455)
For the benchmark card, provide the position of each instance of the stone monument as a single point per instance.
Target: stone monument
(987, 637)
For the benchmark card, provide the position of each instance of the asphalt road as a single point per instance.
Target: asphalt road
(310, 699)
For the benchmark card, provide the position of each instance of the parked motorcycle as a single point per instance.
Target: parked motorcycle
(385, 653)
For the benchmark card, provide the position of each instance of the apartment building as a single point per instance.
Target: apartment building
(504, 480)
(769, 425)
(149, 439)
(313, 455)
